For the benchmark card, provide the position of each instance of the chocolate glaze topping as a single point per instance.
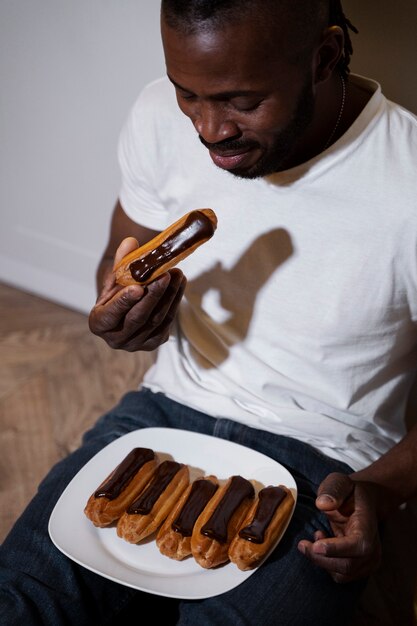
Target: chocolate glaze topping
(124, 472)
(269, 500)
(238, 490)
(201, 492)
(163, 475)
(197, 227)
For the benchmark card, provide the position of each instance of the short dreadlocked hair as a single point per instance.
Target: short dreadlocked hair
(338, 18)
(310, 16)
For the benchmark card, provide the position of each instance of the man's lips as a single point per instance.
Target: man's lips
(230, 159)
(230, 154)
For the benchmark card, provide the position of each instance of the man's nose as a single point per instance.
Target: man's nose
(213, 124)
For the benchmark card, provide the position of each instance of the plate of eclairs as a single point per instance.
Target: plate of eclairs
(174, 513)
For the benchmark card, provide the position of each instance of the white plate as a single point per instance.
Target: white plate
(143, 566)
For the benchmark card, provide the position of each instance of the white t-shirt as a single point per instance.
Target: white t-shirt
(300, 315)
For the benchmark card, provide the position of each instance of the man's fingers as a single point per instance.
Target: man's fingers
(127, 245)
(150, 310)
(344, 560)
(107, 316)
(334, 491)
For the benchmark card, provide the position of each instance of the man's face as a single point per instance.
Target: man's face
(249, 105)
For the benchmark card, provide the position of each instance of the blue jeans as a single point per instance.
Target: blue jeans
(40, 586)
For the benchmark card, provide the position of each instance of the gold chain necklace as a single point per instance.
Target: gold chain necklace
(339, 117)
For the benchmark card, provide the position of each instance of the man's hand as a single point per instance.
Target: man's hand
(136, 318)
(355, 550)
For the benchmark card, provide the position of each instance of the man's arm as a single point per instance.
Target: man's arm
(356, 504)
(394, 475)
(133, 318)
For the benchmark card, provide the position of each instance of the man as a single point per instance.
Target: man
(293, 331)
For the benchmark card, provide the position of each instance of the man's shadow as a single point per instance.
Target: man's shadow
(235, 291)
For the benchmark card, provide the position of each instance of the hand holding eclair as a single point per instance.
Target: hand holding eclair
(142, 290)
(133, 318)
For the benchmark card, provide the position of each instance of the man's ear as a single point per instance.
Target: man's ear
(328, 53)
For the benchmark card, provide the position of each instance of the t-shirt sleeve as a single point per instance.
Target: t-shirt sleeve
(138, 162)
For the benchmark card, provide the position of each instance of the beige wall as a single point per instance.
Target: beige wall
(386, 46)
(70, 70)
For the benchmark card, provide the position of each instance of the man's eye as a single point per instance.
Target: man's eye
(246, 104)
(185, 95)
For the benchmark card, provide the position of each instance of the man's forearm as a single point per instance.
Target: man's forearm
(395, 474)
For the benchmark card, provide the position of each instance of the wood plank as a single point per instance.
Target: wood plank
(27, 449)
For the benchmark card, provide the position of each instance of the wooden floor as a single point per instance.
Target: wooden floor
(56, 379)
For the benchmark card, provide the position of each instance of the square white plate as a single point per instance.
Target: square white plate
(143, 566)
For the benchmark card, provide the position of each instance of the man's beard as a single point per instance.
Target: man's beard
(279, 156)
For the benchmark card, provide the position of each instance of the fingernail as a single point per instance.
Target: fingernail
(134, 291)
(325, 499)
(320, 548)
